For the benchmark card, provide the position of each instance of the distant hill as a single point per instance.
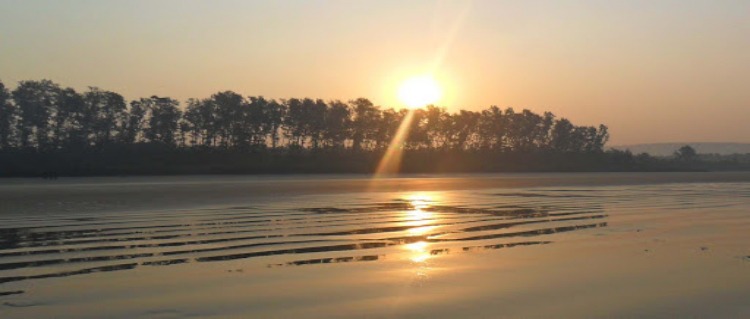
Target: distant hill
(665, 149)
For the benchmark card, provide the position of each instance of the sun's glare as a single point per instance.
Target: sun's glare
(419, 91)
(420, 200)
(418, 251)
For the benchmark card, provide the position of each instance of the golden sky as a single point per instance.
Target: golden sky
(654, 71)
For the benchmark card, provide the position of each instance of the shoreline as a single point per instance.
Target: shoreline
(29, 196)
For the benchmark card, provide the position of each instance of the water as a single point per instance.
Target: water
(125, 237)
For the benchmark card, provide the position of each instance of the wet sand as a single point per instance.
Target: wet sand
(525, 245)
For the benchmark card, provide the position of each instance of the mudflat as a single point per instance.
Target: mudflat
(507, 245)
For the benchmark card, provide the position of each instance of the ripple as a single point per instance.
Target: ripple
(82, 245)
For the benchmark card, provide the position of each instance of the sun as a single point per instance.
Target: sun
(419, 91)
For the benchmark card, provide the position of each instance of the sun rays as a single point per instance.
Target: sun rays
(391, 160)
(416, 92)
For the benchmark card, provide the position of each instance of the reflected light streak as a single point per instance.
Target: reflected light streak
(417, 221)
(419, 231)
(419, 250)
(419, 215)
(420, 200)
(420, 204)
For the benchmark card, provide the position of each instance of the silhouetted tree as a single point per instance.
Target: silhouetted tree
(8, 117)
(257, 121)
(364, 122)
(493, 129)
(565, 137)
(418, 137)
(337, 124)
(464, 131)
(106, 116)
(273, 115)
(387, 127)
(294, 122)
(162, 117)
(42, 116)
(231, 116)
(134, 129)
(71, 121)
(37, 102)
(686, 153)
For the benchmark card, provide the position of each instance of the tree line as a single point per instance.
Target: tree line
(46, 117)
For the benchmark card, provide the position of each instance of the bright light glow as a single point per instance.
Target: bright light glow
(420, 258)
(419, 91)
(419, 252)
(419, 246)
(420, 200)
(418, 214)
(419, 231)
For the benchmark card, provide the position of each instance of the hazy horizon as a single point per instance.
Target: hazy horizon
(653, 72)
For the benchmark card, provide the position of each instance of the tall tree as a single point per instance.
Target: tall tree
(37, 102)
(163, 115)
(274, 113)
(107, 112)
(463, 131)
(8, 118)
(294, 122)
(71, 120)
(134, 127)
(493, 129)
(387, 127)
(686, 153)
(337, 123)
(44, 116)
(562, 136)
(364, 122)
(231, 117)
(315, 115)
(259, 129)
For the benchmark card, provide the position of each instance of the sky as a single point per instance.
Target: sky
(653, 71)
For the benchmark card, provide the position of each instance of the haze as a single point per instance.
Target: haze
(653, 71)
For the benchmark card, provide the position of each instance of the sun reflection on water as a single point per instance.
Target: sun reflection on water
(420, 204)
(419, 231)
(420, 201)
(418, 215)
(419, 253)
